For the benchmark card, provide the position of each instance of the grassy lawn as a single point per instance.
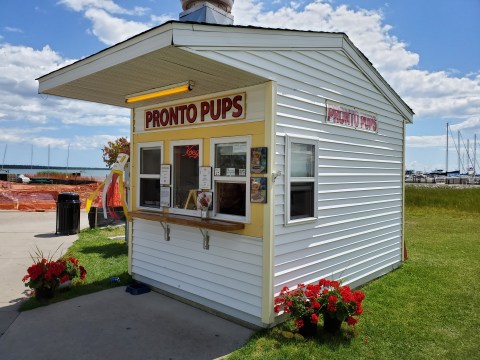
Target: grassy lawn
(103, 258)
(426, 309)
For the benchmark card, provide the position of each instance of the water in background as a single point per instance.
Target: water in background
(98, 173)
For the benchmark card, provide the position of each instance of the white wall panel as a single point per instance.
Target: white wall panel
(229, 273)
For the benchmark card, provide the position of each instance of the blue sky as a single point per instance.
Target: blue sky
(428, 51)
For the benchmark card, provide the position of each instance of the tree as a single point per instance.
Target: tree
(113, 148)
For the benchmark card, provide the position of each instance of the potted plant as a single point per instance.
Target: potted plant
(301, 304)
(45, 275)
(338, 304)
(71, 271)
(328, 298)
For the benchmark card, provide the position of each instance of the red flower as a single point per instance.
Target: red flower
(83, 272)
(314, 319)
(316, 305)
(359, 310)
(332, 299)
(64, 278)
(359, 296)
(299, 323)
(288, 303)
(331, 307)
(277, 308)
(351, 321)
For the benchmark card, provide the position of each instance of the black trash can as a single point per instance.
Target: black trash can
(68, 213)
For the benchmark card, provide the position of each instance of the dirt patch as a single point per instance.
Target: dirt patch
(37, 197)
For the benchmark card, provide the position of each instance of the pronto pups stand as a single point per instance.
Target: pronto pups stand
(294, 139)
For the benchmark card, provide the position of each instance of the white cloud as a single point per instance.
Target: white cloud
(36, 138)
(12, 29)
(21, 102)
(107, 24)
(107, 5)
(472, 124)
(441, 94)
(110, 29)
(426, 141)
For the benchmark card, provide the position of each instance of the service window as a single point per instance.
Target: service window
(301, 180)
(186, 159)
(149, 160)
(231, 174)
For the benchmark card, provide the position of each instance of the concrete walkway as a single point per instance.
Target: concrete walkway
(20, 234)
(111, 324)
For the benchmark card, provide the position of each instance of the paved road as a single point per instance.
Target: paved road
(110, 324)
(20, 234)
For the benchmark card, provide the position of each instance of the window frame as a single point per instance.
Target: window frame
(140, 176)
(289, 139)
(232, 179)
(173, 144)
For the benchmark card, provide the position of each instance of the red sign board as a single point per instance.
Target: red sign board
(351, 117)
(231, 107)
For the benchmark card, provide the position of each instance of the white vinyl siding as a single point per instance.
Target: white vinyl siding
(358, 232)
(228, 276)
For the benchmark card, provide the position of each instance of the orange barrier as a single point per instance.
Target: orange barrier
(38, 197)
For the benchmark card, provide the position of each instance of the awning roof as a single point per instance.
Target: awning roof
(166, 55)
(156, 69)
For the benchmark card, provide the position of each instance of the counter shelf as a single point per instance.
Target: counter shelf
(202, 224)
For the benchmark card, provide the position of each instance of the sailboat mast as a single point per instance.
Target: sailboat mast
(68, 154)
(459, 155)
(4, 154)
(475, 154)
(446, 157)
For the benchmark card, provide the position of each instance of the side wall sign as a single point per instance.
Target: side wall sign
(351, 117)
(231, 107)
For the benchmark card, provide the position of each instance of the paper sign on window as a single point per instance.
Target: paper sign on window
(165, 196)
(165, 174)
(205, 178)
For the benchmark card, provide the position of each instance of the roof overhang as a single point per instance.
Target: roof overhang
(156, 69)
(166, 55)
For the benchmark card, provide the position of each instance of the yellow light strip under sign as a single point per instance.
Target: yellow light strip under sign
(160, 92)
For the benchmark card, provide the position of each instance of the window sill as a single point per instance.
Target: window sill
(210, 224)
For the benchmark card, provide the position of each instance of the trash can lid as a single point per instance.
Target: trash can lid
(68, 196)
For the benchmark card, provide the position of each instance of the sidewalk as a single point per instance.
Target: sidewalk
(110, 324)
(20, 233)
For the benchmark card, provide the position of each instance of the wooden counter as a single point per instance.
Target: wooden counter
(211, 224)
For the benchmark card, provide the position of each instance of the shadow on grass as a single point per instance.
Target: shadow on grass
(283, 334)
(106, 251)
(77, 290)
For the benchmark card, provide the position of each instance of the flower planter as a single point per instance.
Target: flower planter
(308, 330)
(43, 293)
(65, 285)
(331, 325)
